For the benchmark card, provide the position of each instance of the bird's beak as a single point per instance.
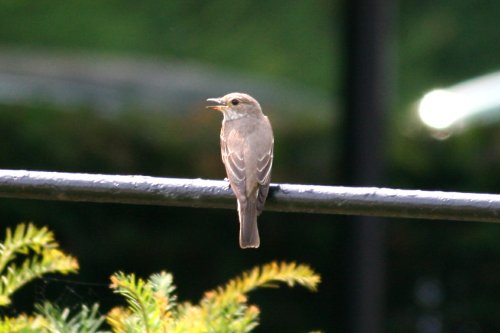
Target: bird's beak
(220, 104)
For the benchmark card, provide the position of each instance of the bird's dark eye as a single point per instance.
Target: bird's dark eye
(235, 101)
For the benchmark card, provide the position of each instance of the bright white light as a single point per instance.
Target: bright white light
(441, 108)
(475, 99)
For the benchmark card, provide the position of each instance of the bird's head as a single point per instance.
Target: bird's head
(236, 105)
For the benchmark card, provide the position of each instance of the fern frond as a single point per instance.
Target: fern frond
(150, 302)
(136, 296)
(164, 298)
(87, 320)
(265, 276)
(24, 238)
(226, 310)
(49, 261)
(117, 317)
(24, 324)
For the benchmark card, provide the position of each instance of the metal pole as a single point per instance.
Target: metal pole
(367, 83)
(143, 190)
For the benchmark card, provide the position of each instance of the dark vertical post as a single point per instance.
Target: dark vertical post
(367, 79)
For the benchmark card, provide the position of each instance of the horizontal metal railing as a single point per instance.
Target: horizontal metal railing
(145, 190)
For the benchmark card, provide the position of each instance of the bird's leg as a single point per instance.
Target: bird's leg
(228, 182)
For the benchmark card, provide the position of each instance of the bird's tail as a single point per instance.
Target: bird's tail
(249, 233)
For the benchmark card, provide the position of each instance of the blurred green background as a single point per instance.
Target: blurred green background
(118, 87)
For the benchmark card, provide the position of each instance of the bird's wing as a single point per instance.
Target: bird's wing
(264, 165)
(232, 157)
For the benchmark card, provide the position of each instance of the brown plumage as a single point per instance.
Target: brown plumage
(247, 153)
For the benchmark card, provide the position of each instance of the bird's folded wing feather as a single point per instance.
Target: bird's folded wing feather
(264, 165)
(232, 157)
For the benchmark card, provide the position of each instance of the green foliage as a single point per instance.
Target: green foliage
(152, 306)
(52, 319)
(150, 303)
(43, 256)
(186, 29)
(87, 320)
(24, 324)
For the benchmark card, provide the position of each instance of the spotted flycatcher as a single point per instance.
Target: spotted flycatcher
(247, 142)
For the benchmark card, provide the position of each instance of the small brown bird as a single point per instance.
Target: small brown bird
(247, 142)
